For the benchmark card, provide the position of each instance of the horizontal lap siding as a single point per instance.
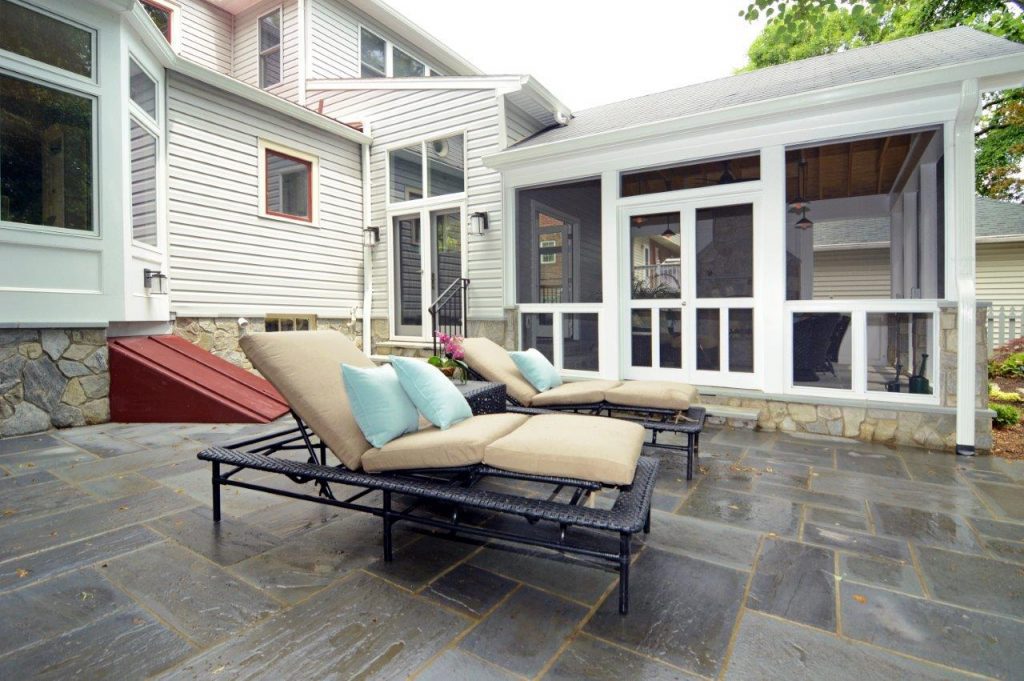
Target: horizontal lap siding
(206, 35)
(224, 259)
(397, 117)
(246, 53)
(519, 124)
(855, 273)
(1000, 273)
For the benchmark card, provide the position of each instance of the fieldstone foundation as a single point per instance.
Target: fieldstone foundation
(52, 378)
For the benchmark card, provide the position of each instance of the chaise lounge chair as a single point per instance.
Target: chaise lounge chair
(577, 455)
(659, 406)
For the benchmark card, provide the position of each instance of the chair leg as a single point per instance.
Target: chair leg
(387, 527)
(647, 522)
(690, 451)
(624, 538)
(215, 479)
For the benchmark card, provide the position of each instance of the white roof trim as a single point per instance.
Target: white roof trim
(143, 25)
(993, 73)
(867, 245)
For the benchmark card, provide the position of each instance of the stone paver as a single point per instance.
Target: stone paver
(785, 558)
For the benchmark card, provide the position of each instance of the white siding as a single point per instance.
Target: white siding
(246, 53)
(1001, 273)
(855, 273)
(334, 40)
(519, 124)
(224, 259)
(405, 116)
(206, 34)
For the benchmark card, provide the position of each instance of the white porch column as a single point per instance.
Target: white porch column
(963, 224)
(610, 360)
(770, 284)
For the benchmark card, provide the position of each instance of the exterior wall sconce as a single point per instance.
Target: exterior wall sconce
(478, 224)
(155, 282)
(371, 236)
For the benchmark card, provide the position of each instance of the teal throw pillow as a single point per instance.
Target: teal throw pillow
(379, 404)
(434, 395)
(536, 369)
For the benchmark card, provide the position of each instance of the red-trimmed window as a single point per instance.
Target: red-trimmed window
(161, 16)
(289, 186)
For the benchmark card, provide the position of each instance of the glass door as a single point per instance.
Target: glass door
(446, 260)
(408, 276)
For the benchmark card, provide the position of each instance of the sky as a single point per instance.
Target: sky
(590, 52)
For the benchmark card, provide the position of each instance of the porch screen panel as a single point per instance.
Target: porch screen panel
(725, 252)
(741, 340)
(538, 332)
(558, 243)
(580, 342)
(708, 339)
(654, 256)
(641, 338)
(821, 350)
(670, 338)
(899, 353)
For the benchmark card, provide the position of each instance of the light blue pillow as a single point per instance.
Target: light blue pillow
(381, 408)
(431, 391)
(536, 369)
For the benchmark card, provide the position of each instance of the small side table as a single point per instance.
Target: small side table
(484, 397)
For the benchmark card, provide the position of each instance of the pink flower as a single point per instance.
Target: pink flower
(458, 353)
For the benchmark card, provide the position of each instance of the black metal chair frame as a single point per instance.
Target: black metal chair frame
(654, 419)
(630, 513)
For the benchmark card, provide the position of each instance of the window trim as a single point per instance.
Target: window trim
(164, 7)
(293, 317)
(426, 199)
(311, 161)
(389, 59)
(261, 53)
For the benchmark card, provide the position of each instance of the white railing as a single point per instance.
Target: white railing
(652, 276)
(1005, 323)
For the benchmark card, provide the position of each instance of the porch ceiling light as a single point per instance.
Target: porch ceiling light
(155, 282)
(478, 224)
(726, 177)
(668, 233)
(800, 203)
(371, 236)
(804, 222)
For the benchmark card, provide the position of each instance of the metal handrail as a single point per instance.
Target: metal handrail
(443, 303)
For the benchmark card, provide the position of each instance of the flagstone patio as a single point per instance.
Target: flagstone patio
(785, 558)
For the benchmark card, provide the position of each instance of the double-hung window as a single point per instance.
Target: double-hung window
(381, 59)
(47, 121)
(288, 183)
(270, 48)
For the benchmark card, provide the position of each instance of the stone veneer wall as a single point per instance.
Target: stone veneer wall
(220, 335)
(52, 378)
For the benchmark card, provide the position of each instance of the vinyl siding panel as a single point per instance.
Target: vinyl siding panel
(224, 258)
(399, 117)
(206, 35)
(519, 125)
(1000, 273)
(246, 53)
(858, 273)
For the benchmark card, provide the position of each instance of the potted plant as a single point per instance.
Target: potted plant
(450, 361)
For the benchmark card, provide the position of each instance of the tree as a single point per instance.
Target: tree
(797, 29)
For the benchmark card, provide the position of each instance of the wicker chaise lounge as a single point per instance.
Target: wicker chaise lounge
(659, 406)
(577, 455)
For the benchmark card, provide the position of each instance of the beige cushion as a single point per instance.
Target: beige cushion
(461, 445)
(577, 392)
(491, 361)
(305, 367)
(586, 447)
(656, 394)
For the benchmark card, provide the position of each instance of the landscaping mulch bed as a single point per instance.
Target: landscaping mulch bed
(1009, 442)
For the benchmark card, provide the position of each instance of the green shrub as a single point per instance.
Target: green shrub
(1006, 416)
(997, 395)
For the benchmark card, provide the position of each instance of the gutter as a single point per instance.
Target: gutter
(137, 18)
(997, 70)
(367, 256)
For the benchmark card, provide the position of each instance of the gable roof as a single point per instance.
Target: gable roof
(918, 53)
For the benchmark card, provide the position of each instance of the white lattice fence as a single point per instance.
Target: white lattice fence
(1005, 322)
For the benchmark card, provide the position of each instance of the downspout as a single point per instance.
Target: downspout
(966, 381)
(367, 252)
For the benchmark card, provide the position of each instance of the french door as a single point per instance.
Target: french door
(426, 257)
(689, 311)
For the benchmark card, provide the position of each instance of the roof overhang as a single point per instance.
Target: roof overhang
(996, 73)
(137, 18)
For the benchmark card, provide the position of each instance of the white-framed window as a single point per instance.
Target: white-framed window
(162, 15)
(379, 58)
(48, 115)
(437, 165)
(269, 29)
(288, 183)
(144, 136)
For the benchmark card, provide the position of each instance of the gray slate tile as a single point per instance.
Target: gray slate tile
(960, 638)
(714, 542)
(120, 485)
(592, 659)
(1005, 550)
(13, 445)
(857, 542)
(771, 650)
(547, 570)
(930, 528)
(871, 463)
(805, 496)
(510, 637)
(133, 461)
(797, 582)
(998, 529)
(682, 610)
(469, 589)
(225, 543)
(933, 468)
(974, 582)
(420, 561)
(193, 595)
(51, 458)
(456, 665)
(12, 482)
(364, 628)
(892, 574)
(25, 570)
(1008, 500)
(99, 443)
(21, 503)
(910, 493)
(830, 517)
(752, 511)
